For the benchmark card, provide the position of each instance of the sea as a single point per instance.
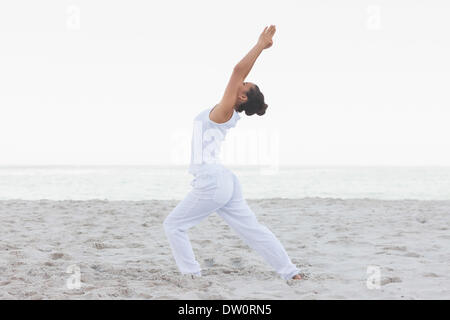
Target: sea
(173, 182)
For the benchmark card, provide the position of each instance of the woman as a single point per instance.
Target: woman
(216, 188)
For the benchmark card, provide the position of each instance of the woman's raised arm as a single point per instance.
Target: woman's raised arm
(224, 109)
(265, 41)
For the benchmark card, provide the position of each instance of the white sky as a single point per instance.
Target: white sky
(345, 85)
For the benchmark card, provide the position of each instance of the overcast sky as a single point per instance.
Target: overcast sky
(119, 82)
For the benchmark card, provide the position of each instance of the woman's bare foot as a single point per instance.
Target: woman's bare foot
(297, 277)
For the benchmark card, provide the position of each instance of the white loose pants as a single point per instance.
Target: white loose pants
(221, 192)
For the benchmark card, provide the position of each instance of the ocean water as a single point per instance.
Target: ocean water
(165, 182)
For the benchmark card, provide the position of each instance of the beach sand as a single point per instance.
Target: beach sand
(121, 251)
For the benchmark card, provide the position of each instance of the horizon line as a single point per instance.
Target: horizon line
(226, 165)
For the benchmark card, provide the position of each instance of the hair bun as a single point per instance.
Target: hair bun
(263, 110)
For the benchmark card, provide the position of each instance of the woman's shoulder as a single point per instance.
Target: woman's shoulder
(206, 115)
(219, 115)
(227, 121)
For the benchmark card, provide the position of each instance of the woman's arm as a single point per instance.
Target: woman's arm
(246, 64)
(224, 109)
(265, 41)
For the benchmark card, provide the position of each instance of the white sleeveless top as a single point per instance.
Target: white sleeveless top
(207, 137)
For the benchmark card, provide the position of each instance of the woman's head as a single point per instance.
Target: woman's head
(251, 100)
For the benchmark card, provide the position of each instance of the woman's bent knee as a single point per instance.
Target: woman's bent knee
(169, 226)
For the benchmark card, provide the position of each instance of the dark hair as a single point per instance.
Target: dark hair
(254, 104)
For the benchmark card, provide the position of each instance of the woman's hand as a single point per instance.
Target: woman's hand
(265, 39)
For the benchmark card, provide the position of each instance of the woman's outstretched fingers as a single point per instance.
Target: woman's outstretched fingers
(273, 30)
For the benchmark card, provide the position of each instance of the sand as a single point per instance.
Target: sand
(121, 252)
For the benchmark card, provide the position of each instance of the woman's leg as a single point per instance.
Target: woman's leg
(190, 211)
(209, 193)
(242, 219)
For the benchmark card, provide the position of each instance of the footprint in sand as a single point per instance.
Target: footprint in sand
(389, 280)
(412, 255)
(305, 275)
(56, 256)
(136, 245)
(431, 275)
(230, 271)
(236, 262)
(396, 248)
(209, 262)
(204, 242)
(421, 218)
(99, 245)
